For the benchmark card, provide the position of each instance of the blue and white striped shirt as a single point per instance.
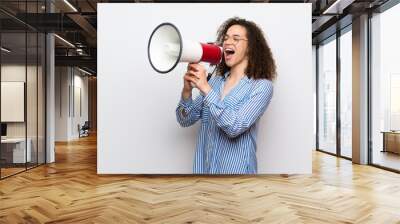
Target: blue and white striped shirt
(226, 142)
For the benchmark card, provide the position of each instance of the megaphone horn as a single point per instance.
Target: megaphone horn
(166, 49)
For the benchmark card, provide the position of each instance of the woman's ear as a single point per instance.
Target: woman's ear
(247, 52)
(247, 49)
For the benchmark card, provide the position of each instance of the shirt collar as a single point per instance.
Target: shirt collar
(245, 78)
(226, 75)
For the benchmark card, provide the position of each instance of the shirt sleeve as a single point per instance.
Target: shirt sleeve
(189, 111)
(235, 122)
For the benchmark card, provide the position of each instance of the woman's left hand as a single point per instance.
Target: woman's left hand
(199, 77)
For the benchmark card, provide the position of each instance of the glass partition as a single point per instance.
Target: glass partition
(14, 153)
(22, 101)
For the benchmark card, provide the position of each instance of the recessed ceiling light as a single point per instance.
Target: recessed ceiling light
(84, 71)
(64, 40)
(70, 5)
(5, 50)
(337, 7)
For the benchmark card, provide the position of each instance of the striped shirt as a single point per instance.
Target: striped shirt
(226, 143)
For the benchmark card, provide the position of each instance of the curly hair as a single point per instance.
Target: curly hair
(261, 64)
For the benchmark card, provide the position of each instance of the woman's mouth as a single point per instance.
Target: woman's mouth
(228, 53)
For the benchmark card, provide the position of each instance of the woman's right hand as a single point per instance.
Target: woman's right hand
(187, 85)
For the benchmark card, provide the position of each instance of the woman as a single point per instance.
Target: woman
(231, 103)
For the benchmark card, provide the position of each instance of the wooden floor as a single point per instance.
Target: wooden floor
(70, 191)
(5, 172)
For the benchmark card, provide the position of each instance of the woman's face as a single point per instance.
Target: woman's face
(235, 45)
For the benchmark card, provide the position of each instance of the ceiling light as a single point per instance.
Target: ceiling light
(70, 5)
(84, 71)
(5, 50)
(338, 6)
(65, 41)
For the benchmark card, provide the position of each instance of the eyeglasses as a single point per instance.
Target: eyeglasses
(235, 39)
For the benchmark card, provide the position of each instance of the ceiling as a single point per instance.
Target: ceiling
(76, 22)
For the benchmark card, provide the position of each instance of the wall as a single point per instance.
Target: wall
(70, 109)
(314, 84)
(92, 87)
(15, 72)
(61, 103)
(80, 112)
(137, 128)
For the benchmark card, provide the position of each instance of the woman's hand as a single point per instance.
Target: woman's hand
(197, 75)
(187, 85)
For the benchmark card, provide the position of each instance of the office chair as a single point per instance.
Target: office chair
(84, 130)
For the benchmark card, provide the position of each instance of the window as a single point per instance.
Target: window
(346, 93)
(327, 96)
(385, 89)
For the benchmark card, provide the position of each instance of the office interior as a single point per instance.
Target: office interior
(29, 56)
(49, 85)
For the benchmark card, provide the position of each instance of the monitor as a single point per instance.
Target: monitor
(3, 129)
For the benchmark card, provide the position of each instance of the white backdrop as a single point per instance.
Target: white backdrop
(137, 128)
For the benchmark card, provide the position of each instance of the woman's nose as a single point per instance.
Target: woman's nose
(228, 43)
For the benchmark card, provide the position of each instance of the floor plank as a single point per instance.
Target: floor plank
(70, 191)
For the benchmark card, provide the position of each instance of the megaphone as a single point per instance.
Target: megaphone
(166, 49)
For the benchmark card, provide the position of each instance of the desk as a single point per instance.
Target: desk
(16, 151)
(391, 141)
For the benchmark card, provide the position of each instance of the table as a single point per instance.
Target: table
(15, 148)
(391, 141)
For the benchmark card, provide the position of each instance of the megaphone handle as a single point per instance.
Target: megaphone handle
(209, 76)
